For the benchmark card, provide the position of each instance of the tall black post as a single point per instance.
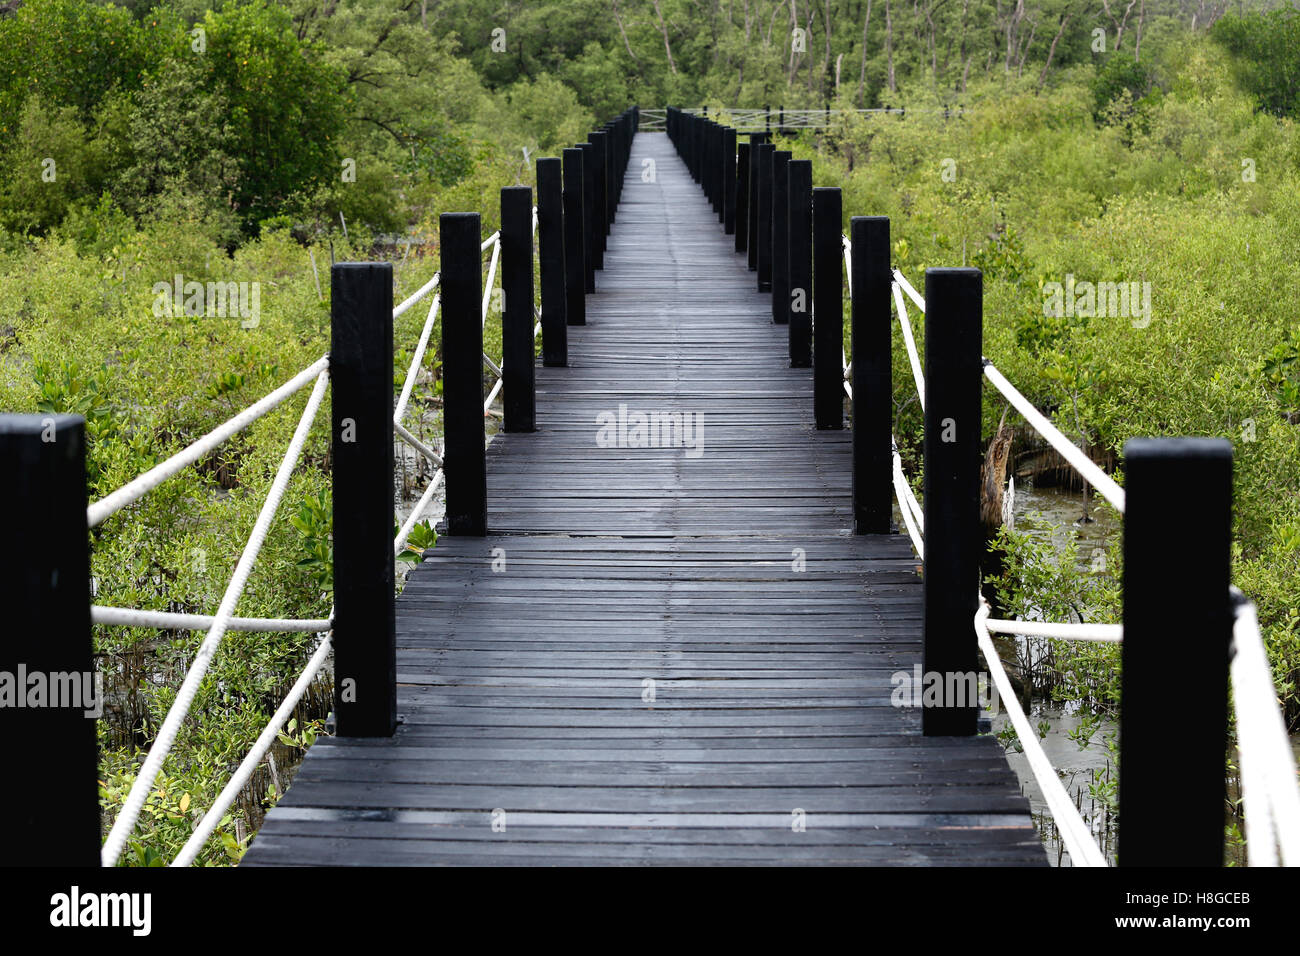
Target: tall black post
(462, 369)
(1177, 634)
(590, 213)
(519, 405)
(742, 196)
(579, 279)
(361, 363)
(828, 308)
(800, 245)
(551, 264)
(45, 589)
(601, 218)
(953, 537)
(780, 237)
(763, 258)
(872, 377)
(755, 140)
(728, 185)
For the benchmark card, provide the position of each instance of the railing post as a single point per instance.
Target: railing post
(45, 588)
(361, 410)
(551, 262)
(1177, 638)
(741, 186)
(828, 308)
(953, 417)
(872, 377)
(519, 405)
(578, 276)
(728, 181)
(755, 141)
(764, 192)
(800, 245)
(601, 218)
(781, 236)
(462, 369)
(590, 216)
(720, 172)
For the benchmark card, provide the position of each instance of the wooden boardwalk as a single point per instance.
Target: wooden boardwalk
(678, 656)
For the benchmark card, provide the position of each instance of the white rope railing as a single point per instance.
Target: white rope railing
(1106, 633)
(137, 488)
(224, 620)
(131, 617)
(1270, 795)
(1075, 833)
(408, 384)
(419, 294)
(254, 757)
(905, 324)
(1085, 466)
(144, 781)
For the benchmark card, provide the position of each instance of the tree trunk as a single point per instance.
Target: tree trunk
(664, 30)
(992, 488)
(862, 73)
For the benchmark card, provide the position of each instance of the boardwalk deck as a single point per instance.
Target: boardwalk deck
(523, 690)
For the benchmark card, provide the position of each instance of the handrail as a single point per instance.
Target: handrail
(1269, 789)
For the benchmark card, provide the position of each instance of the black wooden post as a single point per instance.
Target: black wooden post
(551, 263)
(953, 537)
(611, 181)
(1177, 635)
(828, 308)
(764, 193)
(590, 217)
(361, 377)
(601, 218)
(872, 377)
(519, 405)
(579, 279)
(720, 172)
(781, 236)
(800, 245)
(728, 181)
(742, 196)
(755, 141)
(462, 369)
(45, 589)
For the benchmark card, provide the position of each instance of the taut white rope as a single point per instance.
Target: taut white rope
(1084, 465)
(1112, 633)
(409, 383)
(138, 487)
(1074, 831)
(418, 445)
(420, 294)
(1267, 764)
(905, 324)
(911, 292)
(130, 617)
(400, 541)
(144, 781)
(492, 272)
(241, 776)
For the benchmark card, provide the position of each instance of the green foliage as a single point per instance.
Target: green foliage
(1266, 56)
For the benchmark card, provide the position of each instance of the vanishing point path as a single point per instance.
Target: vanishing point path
(660, 655)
